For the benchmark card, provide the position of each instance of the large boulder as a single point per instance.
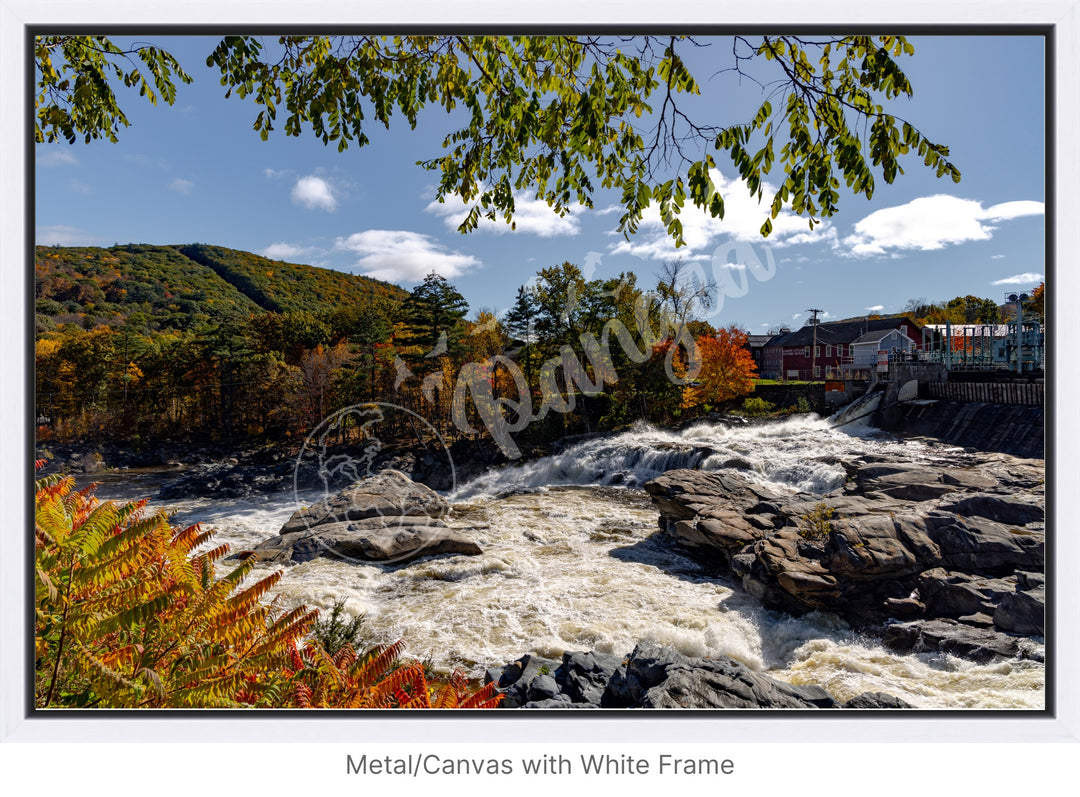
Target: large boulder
(387, 494)
(368, 540)
(386, 518)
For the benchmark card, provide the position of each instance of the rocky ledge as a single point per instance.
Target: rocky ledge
(944, 558)
(657, 677)
(385, 518)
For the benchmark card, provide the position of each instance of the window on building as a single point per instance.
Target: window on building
(817, 372)
(806, 351)
(817, 351)
(828, 351)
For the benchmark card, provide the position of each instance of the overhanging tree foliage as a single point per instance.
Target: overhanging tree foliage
(559, 116)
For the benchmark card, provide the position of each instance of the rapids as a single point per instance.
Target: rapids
(572, 561)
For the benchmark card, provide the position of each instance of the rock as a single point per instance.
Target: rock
(516, 678)
(542, 688)
(656, 677)
(584, 676)
(899, 541)
(385, 518)
(562, 701)
(387, 494)
(368, 540)
(976, 545)
(981, 645)
(955, 595)
(904, 608)
(1022, 611)
(875, 700)
(1010, 510)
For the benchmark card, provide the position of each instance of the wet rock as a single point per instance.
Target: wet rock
(981, 645)
(369, 540)
(385, 518)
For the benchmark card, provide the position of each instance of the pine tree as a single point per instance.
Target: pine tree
(520, 322)
(434, 316)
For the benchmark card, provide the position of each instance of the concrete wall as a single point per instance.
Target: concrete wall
(1010, 429)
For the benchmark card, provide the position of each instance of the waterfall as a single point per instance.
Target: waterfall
(797, 453)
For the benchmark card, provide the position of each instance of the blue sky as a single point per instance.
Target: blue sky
(196, 172)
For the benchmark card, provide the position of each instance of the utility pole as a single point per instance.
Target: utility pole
(813, 349)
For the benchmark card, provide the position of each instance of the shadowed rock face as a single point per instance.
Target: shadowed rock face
(386, 518)
(902, 542)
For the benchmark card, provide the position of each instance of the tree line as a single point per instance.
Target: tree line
(274, 376)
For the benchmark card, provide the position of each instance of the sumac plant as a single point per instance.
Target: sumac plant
(130, 613)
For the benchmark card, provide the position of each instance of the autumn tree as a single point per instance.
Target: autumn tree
(1038, 300)
(727, 368)
(559, 116)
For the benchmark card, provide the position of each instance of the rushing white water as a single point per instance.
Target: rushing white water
(572, 561)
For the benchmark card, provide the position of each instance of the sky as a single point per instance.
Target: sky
(196, 172)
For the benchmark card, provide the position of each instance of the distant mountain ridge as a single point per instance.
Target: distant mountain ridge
(184, 286)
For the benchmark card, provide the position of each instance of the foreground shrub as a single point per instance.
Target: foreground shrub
(129, 613)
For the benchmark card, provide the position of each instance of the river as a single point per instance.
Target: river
(573, 561)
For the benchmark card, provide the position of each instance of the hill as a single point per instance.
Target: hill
(184, 286)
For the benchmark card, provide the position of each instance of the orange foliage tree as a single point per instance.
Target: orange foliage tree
(727, 369)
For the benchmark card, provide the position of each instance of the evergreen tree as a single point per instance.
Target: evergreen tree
(433, 316)
(520, 322)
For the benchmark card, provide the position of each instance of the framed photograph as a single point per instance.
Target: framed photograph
(396, 380)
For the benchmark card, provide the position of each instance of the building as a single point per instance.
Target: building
(872, 351)
(756, 344)
(828, 350)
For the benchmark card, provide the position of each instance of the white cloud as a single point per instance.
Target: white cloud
(181, 186)
(1014, 210)
(402, 256)
(997, 257)
(64, 235)
(930, 223)
(876, 308)
(79, 187)
(284, 251)
(314, 193)
(275, 174)
(532, 216)
(56, 156)
(743, 217)
(1028, 278)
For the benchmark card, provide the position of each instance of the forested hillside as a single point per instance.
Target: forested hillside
(181, 287)
(137, 344)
